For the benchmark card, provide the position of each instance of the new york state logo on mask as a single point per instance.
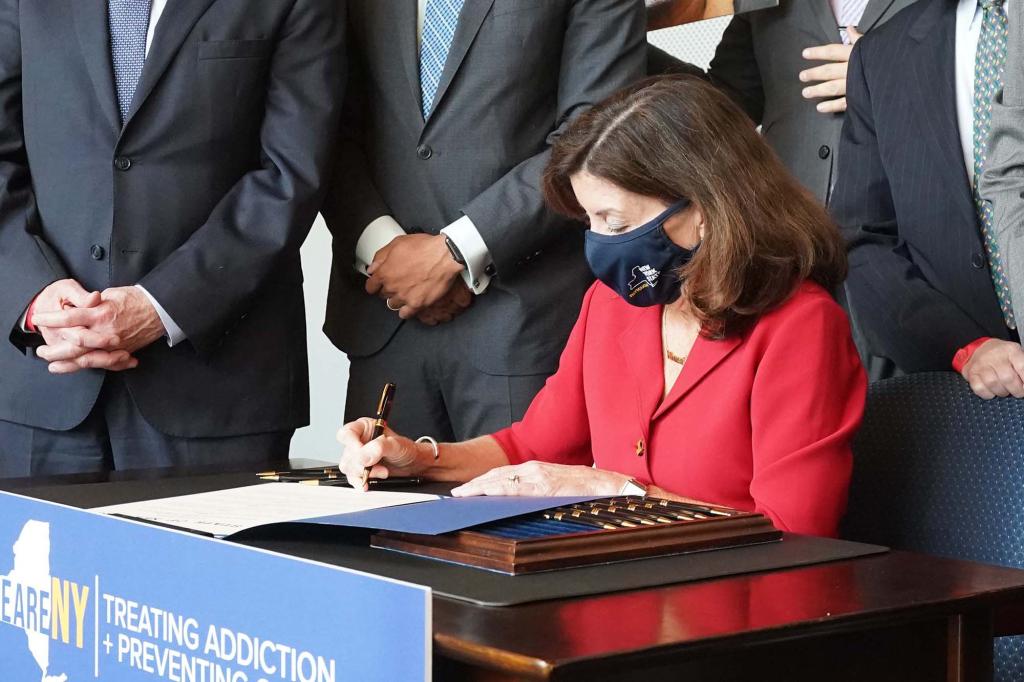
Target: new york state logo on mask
(644, 277)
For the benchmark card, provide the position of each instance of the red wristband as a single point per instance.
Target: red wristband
(28, 317)
(964, 355)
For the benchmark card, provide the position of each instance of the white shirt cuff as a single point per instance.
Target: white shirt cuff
(375, 237)
(466, 237)
(174, 333)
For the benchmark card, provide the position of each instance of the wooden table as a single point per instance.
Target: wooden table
(897, 616)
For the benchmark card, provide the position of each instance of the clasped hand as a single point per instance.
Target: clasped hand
(417, 276)
(93, 330)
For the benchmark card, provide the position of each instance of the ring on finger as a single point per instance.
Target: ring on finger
(387, 302)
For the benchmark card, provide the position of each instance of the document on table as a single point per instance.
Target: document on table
(225, 512)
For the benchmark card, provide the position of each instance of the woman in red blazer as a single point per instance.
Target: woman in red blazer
(709, 361)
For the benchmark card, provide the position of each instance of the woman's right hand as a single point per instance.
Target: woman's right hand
(389, 455)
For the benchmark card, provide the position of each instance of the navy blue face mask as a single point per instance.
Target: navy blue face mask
(642, 265)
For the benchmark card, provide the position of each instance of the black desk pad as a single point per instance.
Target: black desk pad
(350, 548)
(106, 493)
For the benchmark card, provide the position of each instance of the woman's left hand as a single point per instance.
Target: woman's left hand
(541, 479)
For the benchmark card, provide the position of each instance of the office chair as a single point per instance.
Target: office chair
(940, 471)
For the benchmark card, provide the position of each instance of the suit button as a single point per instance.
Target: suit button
(824, 152)
(424, 152)
(97, 252)
(122, 163)
(978, 261)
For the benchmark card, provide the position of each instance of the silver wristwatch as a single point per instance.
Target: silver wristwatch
(633, 488)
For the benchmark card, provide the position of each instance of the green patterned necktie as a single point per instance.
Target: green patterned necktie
(988, 79)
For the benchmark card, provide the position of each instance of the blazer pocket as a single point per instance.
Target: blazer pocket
(504, 7)
(235, 49)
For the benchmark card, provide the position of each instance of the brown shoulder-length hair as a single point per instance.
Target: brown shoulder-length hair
(678, 137)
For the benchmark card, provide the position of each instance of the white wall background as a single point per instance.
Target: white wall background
(328, 366)
(694, 43)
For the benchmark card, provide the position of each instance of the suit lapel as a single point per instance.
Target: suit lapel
(175, 25)
(872, 13)
(470, 20)
(401, 17)
(94, 36)
(822, 10)
(642, 350)
(705, 355)
(640, 343)
(933, 61)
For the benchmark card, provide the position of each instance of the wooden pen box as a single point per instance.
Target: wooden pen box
(532, 543)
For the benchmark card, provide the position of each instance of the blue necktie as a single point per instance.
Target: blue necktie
(439, 24)
(129, 24)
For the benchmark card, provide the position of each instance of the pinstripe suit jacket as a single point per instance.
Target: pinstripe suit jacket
(919, 284)
(758, 63)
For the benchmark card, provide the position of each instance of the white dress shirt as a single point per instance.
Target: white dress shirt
(174, 333)
(968, 29)
(462, 232)
(154, 17)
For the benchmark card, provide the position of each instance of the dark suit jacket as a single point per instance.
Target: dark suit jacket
(919, 283)
(758, 63)
(518, 71)
(203, 198)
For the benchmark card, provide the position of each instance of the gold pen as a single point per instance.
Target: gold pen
(697, 509)
(642, 503)
(578, 517)
(620, 512)
(649, 514)
(611, 517)
(387, 397)
(289, 478)
(315, 471)
(395, 482)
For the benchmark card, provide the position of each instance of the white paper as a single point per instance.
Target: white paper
(224, 512)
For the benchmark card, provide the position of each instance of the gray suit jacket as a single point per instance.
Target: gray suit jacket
(517, 73)
(758, 62)
(203, 196)
(1002, 183)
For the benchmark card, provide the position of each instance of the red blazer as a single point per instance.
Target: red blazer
(758, 422)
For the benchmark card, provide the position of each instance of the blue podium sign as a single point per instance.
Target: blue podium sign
(89, 597)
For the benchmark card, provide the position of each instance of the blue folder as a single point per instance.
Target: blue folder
(447, 514)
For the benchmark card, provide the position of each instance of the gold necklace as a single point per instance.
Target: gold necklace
(678, 359)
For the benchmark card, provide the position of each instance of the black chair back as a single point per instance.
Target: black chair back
(940, 471)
